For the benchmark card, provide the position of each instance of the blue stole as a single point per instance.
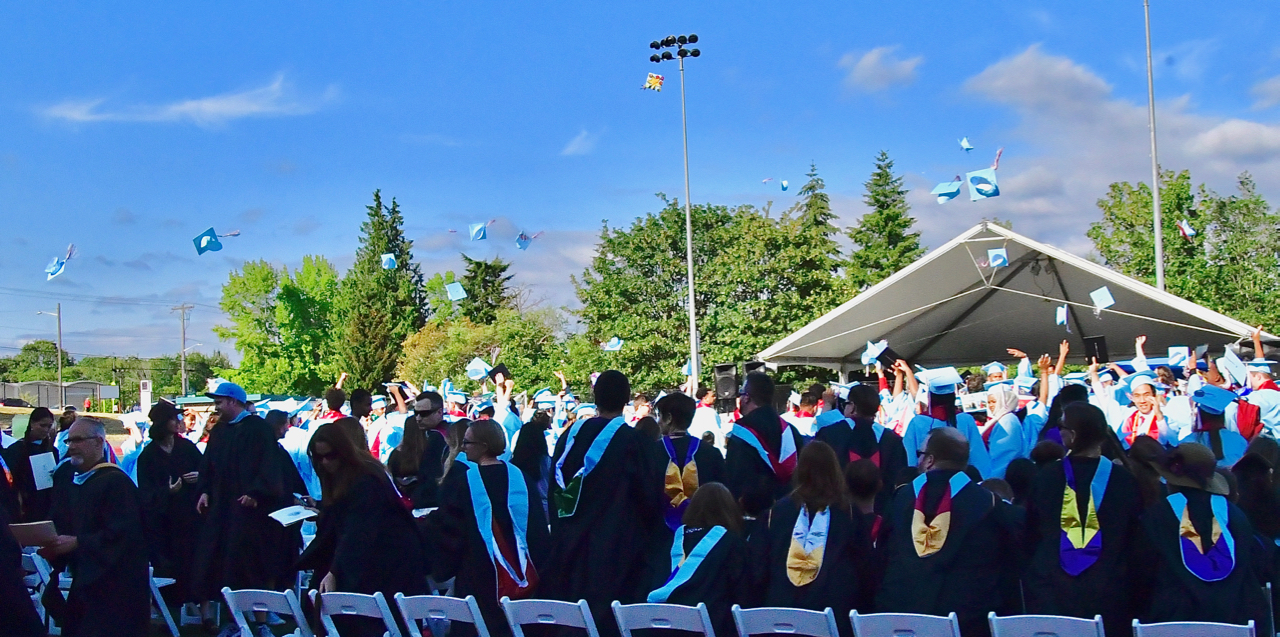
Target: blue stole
(683, 568)
(567, 497)
(517, 506)
(81, 478)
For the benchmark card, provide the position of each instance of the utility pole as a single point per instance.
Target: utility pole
(1155, 161)
(182, 317)
(62, 389)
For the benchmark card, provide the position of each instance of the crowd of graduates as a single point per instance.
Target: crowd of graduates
(1124, 491)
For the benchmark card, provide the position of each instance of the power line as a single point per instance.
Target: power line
(90, 298)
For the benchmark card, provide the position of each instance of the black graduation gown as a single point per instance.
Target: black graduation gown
(34, 503)
(423, 489)
(747, 474)
(170, 520)
(1178, 595)
(873, 565)
(237, 545)
(721, 580)
(836, 586)
(598, 553)
(965, 575)
(18, 616)
(856, 439)
(462, 552)
(710, 469)
(531, 457)
(1104, 588)
(110, 590)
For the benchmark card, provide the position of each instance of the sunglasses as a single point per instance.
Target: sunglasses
(75, 440)
(322, 457)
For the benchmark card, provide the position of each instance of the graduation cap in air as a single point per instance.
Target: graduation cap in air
(523, 240)
(455, 291)
(1185, 228)
(388, 261)
(948, 190)
(1178, 355)
(982, 184)
(207, 241)
(784, 185)
(687, 370)
(1212, 399)
(58, 264)
(964, 143)
(1102, 299)
(879, 352)
(479, 231)
(614, 344)
(998, 257)
(1095, 348)
(501, 368)
(477, 369)
(1060, 315)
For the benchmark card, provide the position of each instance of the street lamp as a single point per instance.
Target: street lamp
(679, 42)
(62, 389)
(1155, 162)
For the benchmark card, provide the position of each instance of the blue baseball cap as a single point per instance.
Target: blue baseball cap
(229, 390)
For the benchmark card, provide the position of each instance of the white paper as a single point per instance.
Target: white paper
(422, 513)
(42, 467)
(292, 515)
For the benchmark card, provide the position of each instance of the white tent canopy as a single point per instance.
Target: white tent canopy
(953, 308)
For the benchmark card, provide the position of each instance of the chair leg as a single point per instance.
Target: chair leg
(164, 609)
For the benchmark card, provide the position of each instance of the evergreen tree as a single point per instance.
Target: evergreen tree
(380, 307)
(486, 283)
(813, 251)
(883, 243)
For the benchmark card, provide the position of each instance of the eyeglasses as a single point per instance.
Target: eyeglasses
(471, 442)
(424, 414)
(75, 440)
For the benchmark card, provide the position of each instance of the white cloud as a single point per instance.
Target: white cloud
(1266, 93)
(582, 144)
(1068, 137)
(272, 100)
(878, 69)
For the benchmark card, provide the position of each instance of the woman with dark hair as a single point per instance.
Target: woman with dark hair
(1082, 528)
(493, 535)
(1068, 394)
(455, 434)
(367, 541)
(1142, 459)
(532, 457)
(815, 543)
(418, 462)
(709, 558)
(33, 503)
(168, 469)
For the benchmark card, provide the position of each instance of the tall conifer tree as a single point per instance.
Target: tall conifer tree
(883, 242)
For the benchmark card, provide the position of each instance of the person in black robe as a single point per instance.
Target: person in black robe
(823, 571)
(721, 579)
(239, 481)
(33, 503)
(863, 478)
(100, 539)
(370, 542)
(859, 437)
(464, 552)
(748, 475)
(1067, 581)
(599, 518)
(1204, 577)
(671, 460)
(958, 565)
(530, 455)
(288, 539)
(18, 617)
(168, 469)
(9, 492)
(418, 462)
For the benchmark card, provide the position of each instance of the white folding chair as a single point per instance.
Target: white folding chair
(904, 624)
(547, 612)
(437, 608)
(694, 619)
(785, 621)
(156, 584)
(1271, 611)
(1185, 629)
(1044, 626)
(354, 605)
(257, 601)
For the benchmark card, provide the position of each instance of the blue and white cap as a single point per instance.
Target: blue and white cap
(585, 410)
(994, 366)
(544, 399)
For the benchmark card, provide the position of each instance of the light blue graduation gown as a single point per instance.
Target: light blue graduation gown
(1268, 403)
(1233, 445)
(1005, 443)
(918, 431)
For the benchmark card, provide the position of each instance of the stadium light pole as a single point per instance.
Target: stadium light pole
(62, 389)
(679, 42)
(1155, 161)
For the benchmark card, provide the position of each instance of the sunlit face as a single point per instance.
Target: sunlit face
(84, 447)
(995, 376)
(227, 408)
(1144, 398)
(991, 403)
(1257, 379)
(428, 414)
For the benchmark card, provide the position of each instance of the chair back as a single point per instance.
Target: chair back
(786, 621)
(259, 601)
(1044, 626)
(547, 612)
(694, 619)
(354, 604)
(905, 625)
(1199, 629)
(439, 608)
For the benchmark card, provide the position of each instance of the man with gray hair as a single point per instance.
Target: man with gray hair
(99, 522)
(947, 539)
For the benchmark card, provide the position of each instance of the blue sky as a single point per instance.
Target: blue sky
(130, 127)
